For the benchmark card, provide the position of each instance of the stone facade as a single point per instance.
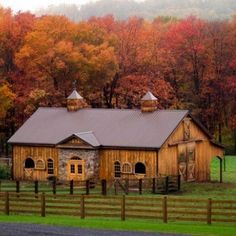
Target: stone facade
(91, 158)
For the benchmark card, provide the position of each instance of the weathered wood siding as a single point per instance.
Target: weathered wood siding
(20, 153)
(204, 152)
(108, 158)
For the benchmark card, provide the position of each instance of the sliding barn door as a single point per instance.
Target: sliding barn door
(186, 161)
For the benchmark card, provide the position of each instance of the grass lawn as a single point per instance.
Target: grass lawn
(214, 189)
(130, 225)
(226, 190)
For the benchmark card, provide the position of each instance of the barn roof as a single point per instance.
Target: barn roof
(111, 127)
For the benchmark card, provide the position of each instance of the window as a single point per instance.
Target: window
(182, 157)
(72, 169)
(140, 168)
(50, 167)
(126, 168)
(117, 169)
(40, 164)
(29, 163)
(80, 169)
(76, 158)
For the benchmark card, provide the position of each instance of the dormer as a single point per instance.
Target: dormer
(75, 102)
(148, 103)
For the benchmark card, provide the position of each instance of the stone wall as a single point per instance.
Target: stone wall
(91, 165)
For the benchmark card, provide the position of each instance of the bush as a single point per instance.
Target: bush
(52, 178)
(5, 172)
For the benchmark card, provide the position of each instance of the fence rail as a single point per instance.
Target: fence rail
(161, 185)
(164, 208)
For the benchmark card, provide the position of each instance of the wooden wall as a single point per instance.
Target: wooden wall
(20, 153)
(205, 151)
(108, 158)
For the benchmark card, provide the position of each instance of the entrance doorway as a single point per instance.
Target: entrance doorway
(76, 169)
(217, 169)
(186, 161)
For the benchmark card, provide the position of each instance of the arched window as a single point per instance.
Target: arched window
(140, 168)
(50, 167)
(29, 163)
(117, 169)
(76, 158)
(40, 164)
(126, 168)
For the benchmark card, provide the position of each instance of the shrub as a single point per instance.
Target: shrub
(5, 172)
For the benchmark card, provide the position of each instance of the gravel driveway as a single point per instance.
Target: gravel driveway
(13, 229)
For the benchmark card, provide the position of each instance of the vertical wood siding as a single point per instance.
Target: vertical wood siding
(20, 153)
(108, 158)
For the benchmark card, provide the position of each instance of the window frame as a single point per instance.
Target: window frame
(117, 173)
(40, 167)
(126, 164)
(50, 169)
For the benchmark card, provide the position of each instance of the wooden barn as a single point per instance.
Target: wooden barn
(79, 143)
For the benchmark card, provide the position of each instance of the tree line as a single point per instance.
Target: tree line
(148, 9)
(187, 64)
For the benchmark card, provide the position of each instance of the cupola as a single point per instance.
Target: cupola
(148, 102)
(75, 101)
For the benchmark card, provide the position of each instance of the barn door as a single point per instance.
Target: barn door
(182, 161)
(76, 169)
(191, 162)
(186, 161)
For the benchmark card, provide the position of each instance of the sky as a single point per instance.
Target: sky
(31, 5)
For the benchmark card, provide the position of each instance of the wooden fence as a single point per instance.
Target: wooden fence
(163, 185)
(165, 209)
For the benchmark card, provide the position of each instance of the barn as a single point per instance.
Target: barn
(78, 143)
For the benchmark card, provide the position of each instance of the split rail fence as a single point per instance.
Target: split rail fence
(165, 209)
(162, 185)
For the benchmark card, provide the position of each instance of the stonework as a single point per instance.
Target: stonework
(91, 158)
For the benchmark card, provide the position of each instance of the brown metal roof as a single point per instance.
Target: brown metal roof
(111, 127)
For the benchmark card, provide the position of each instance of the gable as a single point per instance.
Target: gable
(187, 130)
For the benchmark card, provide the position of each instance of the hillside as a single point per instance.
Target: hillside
(123, 9)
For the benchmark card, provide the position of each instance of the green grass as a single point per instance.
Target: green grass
(130, 225)
(226, 190)
(214, 189)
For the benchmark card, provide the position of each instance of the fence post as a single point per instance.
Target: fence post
(87, 186)
(7, 208)
(116, 187)
(164, 209)
(123, 208)
(43, 205)
(140, 186)
(127, 186)
(154, 185)
(104, 187)
(179, 182)
(209, 211)
(54, 187)
(167, 184)
(82, 209)
(72, 187)
(17, 186)
(36, 187)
